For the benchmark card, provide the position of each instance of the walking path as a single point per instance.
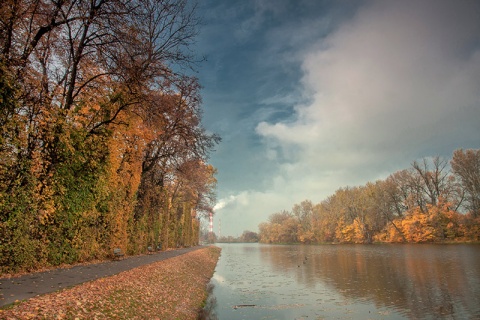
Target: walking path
(31, 285)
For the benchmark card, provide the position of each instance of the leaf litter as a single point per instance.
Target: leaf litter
(170, 289)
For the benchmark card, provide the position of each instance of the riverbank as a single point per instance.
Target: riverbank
(171, 289)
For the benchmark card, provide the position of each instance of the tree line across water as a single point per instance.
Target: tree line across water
(101, 141)
(433, 201)
(246, 237)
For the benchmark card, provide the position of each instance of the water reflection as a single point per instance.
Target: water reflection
(352, 281)
(208, 311)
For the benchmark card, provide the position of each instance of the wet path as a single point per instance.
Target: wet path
(31, 285)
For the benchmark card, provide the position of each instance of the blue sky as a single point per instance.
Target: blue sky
(310, 96)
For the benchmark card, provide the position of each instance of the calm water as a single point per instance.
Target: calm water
(347, 282)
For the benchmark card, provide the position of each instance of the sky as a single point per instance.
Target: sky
(310, 96)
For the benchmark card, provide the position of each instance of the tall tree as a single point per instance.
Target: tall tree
(91, 90)
(466, 166)
(433, 182)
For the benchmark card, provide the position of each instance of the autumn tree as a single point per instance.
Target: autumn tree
(87, 87)
(174, 162)
(466, 166)
(326, 217)
(304, 214)
(393, 197)
(419, 204)
(434, 182)
(249, 236)
(281, 228)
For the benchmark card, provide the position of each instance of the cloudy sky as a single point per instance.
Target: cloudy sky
(310, 96)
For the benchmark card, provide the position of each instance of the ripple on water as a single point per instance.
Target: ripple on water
(347, 282)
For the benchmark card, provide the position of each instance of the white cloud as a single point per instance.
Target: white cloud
(247, 209)
(399, 76)
(399, 81)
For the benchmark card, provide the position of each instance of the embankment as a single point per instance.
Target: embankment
(171, 289)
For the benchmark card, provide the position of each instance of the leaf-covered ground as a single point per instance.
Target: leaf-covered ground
(171, 289)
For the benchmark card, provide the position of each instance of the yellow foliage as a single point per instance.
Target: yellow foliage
(306, 237)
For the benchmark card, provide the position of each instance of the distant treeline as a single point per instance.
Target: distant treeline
(247, 236)
(101, 141)
(433, 201)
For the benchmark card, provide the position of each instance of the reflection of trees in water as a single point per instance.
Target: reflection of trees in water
(417, 280)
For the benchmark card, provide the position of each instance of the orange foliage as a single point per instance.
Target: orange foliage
(76, 121)
(417, 227)
(351, 233)
(390, 234)
(362, 215)
(438, 223)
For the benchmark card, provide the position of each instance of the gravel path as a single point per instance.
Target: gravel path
(31, 285)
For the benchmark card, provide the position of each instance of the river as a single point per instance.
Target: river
(404, 281)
